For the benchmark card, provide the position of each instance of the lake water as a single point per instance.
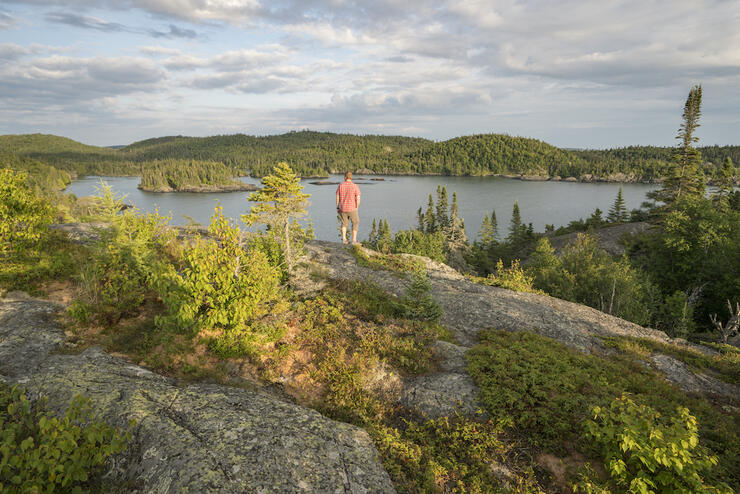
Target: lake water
(397, 199)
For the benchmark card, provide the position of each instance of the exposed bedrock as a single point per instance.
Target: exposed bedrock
(196, 438)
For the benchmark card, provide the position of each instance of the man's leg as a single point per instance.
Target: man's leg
(355, 217)
(343, 219)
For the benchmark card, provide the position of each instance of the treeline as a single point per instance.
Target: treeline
(320, 153)
(309, 153)
(42, 178)
(174, 174)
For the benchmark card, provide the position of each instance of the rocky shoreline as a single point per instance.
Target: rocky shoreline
(238, 187)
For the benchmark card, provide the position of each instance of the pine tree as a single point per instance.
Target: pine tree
(515, 227)
(596, 219)
(429, 217)
(442, 218)
(373, 238)
(420, 220)
(281, 204)
(494, 226)
(384, 236)
(618, 212)
(485, 234)
(686, 178)
(456, 229)
(724, 184)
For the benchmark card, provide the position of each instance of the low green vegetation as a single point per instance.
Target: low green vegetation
(390, 262)
(41, 452)
(548, 391)
(724, 365)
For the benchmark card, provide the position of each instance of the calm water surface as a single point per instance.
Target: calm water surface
(397, 199)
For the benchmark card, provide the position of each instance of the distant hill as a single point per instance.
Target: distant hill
(318, 153)
(66, 154)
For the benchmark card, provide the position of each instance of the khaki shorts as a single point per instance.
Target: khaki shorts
(346, 216)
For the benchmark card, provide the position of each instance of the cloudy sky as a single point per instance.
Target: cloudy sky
(579, 73)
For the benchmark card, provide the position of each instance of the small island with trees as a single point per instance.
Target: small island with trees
(178, 175)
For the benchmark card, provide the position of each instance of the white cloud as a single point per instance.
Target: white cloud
(7, 21)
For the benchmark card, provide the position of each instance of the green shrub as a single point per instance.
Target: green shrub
(417, 303)
(218, 285)
(645, 452)
(43, 453)
(128, 252)
(23, 216)
(431, 245)
(511, 278)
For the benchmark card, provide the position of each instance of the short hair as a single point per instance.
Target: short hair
(348, 175)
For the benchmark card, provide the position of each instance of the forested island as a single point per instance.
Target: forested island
(175, 175)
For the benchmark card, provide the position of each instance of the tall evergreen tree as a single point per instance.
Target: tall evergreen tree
(485, 234)
(429, 218)
(618, 212)
(515, 226)
(281, 204)
(420, 220)
(494, 225)
(443, 219)
(373, 238)
(724, 183)
(456, 229)
(686, 178)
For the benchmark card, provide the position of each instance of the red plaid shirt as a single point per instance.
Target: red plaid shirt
(348, 192)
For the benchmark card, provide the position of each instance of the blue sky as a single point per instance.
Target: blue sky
(573, 73)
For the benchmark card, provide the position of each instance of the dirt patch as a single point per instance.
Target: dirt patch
(62, 292)
(563, 471)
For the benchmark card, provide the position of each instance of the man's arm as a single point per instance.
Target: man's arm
(337, 197)
(357, 197)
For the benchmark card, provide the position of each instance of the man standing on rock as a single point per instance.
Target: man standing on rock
(348, 200)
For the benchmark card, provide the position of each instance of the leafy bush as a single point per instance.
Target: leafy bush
(43, 453)
(117, 280)
(647, 453)
(512, 278)
(218, 285)
(23, 216)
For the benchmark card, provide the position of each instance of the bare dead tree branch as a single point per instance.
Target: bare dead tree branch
(732, 326)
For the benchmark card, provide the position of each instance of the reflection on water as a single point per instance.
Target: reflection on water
(398, 198)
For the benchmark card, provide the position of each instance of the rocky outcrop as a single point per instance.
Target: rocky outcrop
(470, 307)
(196, 438)
(679, 374)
